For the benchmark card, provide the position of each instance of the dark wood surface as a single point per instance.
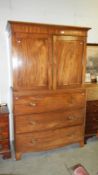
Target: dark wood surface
(4, 132)
(48, 66)
(91, 126)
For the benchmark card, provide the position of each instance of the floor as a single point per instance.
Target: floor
(55, 162)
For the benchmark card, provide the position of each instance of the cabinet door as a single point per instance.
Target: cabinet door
(68, 58)
(32, 62)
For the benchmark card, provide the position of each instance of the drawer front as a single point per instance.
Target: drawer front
(92, 106)
(45, 121)
(40, 141)
(4, 133)
(3, 121)
(53, 102)
(4, 145)
(92, 117)
(91, 128)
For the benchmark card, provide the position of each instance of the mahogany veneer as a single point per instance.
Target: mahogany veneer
(48, 66)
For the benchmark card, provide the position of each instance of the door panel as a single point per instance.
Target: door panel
(32, 62)
(67, 61)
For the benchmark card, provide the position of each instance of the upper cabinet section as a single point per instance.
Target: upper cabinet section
(47, 56)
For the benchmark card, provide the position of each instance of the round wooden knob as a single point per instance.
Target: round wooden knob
(32, 104)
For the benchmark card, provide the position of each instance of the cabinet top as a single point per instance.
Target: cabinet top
(28, 27)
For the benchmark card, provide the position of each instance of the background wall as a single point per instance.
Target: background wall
(66, 12)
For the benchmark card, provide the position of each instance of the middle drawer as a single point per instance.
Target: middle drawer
(45, 121)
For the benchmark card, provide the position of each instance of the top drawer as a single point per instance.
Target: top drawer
(49, 102)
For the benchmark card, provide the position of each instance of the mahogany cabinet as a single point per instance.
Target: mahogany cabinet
(48, 70)
(91, 126)
(4, 132)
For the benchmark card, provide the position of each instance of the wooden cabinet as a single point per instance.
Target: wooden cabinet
(4, 132)
(48, 67)
(91, 126)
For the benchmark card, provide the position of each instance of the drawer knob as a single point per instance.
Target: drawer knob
(1, 147)
(32, 123)
(71, 117)
(16, 98)
(33, 141)
(33, 104)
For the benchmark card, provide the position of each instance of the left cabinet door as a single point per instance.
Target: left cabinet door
(32, 61)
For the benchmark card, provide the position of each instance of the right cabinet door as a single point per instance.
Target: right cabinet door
(68, 53)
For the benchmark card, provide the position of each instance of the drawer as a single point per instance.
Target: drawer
(4, 133)
(4, 145)
(51, 120)
(92, 117)
(91, 128)
(41, 141)
(3, 121)
(45, 103)
(92, 106)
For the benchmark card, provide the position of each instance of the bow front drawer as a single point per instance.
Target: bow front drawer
(46, 121)
(46, 103)
(41, 141)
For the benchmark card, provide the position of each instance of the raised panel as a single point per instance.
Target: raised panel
(32, 62)
(68, 58)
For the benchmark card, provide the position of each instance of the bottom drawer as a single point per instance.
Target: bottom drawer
(4, 145)
(40, 141)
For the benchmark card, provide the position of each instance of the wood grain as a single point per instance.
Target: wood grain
(31, 62)
(48, 139)
(68, 60)
(44, 121)
(46, 103)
